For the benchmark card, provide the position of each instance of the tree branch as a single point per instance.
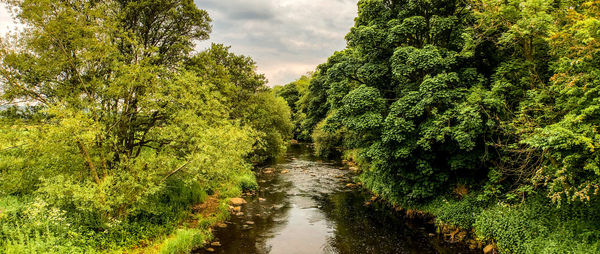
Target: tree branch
(90, 163)
(175, 171)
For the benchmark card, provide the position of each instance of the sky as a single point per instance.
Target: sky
(6, 21)
(286, 38)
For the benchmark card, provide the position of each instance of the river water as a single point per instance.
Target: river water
(311, 210)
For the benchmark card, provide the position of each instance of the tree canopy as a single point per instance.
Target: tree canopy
(127, 126)
(436, 94)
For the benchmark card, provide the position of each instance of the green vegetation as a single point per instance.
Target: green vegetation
(185, 241)
(295, 94)
(247, 98)
(492, 104)
(484, 113)
(127, 126)
(533, 226)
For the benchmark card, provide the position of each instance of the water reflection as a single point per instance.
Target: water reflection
(309, 210)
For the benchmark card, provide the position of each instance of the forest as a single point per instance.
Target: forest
(114, 129)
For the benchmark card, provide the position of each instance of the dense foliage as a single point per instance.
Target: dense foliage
(295, 94)
(439, 93)
(483, 112)
(401, 91)
(448, 97)
(248, 99)
(120, 127)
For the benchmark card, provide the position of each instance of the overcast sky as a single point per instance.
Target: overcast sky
(6, 22)
(286, 38)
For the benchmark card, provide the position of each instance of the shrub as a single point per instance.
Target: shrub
(461, 213)
(326, 143)
(535, 227)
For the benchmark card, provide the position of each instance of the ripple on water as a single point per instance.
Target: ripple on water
(309, 210)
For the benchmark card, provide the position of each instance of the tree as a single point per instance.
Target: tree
(401, 90)
(247, 97)
(566, 133)
(122, 122)
(296, 96)
(165, 29)
(440, 93)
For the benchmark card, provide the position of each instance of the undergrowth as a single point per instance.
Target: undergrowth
(30, 225)
(534, 225)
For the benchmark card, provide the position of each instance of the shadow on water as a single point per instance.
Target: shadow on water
(310, 210)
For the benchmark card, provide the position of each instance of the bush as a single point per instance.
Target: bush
(510, 228)
(532, 226)
(270, 117)
(326, 143)
(460, 213)
(247, 182)
(30, 224)
(535, 227)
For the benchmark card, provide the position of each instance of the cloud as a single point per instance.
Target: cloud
(287, 38)
(240, 9)
(7, 23)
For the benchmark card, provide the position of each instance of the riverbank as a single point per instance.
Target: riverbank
(527, 225)
(185, 223)
(196, 230)
(307, 204)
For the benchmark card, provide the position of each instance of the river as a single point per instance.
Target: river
(311, 210)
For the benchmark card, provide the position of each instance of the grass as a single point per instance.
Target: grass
(185, 240)
(29, 225)
(215, 210)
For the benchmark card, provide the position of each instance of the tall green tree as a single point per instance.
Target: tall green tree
(401, 90)
(296, 96)
(247, 97)
(566, 133)
(439, 93)
(123, 124)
